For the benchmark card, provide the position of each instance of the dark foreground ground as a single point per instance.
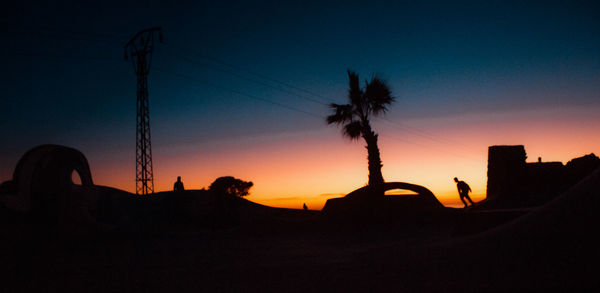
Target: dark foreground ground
(551, 248)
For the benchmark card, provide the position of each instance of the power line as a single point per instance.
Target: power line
(394, 124)
(214, 85)
(219, 61)
(313, 115)
(419, 132)
(390, 123)
(431, 147)
(321, 99)
(248, 79)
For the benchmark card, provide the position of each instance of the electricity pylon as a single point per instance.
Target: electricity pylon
(139, 49)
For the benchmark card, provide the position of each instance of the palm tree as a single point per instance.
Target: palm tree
(372, 101)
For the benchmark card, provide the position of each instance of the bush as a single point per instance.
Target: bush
(230, 186)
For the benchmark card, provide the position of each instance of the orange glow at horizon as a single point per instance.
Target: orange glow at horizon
(315, 165)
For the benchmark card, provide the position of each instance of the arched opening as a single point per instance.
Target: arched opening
(75, 177)
(398, 191)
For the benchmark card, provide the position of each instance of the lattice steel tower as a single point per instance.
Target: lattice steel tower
(139, 49)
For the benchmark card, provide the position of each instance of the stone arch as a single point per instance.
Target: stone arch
(47, 169)
(363, 197)
(422, 192)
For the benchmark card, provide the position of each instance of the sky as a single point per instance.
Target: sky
(241, 88)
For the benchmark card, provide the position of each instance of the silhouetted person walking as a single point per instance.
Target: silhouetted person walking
(304, 206)
(178, 186)
(463, 191)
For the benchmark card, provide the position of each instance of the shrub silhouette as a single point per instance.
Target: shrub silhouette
(372, 101)
(230, 186)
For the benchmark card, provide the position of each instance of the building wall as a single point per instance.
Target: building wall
(512, 182)
(506, 169)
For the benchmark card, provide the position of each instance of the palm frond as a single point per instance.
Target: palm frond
(378, 109)
(355, 94)
(342, 114)
(378, 95)
(352, 130)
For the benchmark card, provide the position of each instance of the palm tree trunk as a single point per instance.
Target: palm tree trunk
(375, 176)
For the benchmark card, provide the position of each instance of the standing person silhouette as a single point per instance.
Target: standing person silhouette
(463, 191)
(178, 186)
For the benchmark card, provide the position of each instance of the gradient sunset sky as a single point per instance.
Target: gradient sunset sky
(240, 88)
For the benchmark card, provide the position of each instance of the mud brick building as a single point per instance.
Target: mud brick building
(513, 182)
